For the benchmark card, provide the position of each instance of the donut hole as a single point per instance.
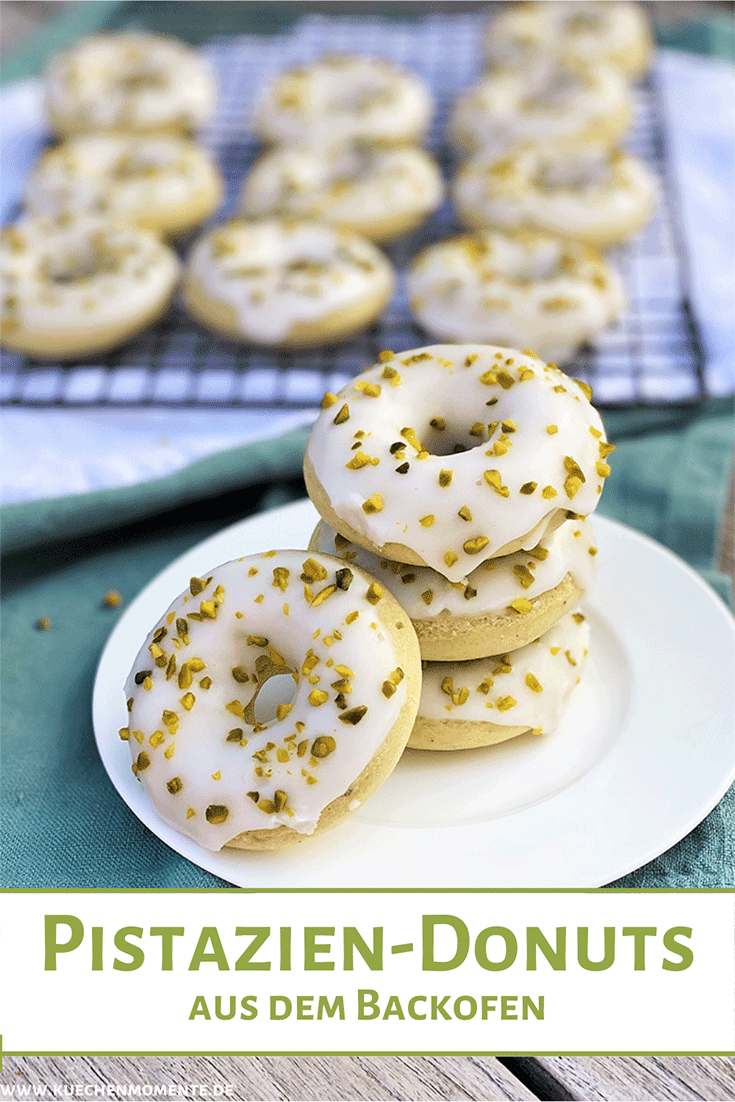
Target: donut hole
(142, 79)
(276, 688)
(593, 170)
(136, 166)
(78, 266)
(454, 438)
(555, 89)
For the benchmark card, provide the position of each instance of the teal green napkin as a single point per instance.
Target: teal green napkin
(63, 823)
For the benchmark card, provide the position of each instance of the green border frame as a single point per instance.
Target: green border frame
(372, 891)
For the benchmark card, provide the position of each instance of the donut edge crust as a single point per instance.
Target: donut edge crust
(384, 760)
(221, 318)
(73, 345)
(457, 639)
(459, 734)
(447, 638)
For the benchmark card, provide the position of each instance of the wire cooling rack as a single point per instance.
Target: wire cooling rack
(652, 356)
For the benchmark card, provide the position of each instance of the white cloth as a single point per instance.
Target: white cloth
(47, 453)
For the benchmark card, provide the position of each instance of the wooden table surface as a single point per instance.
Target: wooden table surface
(407, 1078)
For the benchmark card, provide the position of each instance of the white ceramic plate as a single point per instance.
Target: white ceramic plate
(644, 753)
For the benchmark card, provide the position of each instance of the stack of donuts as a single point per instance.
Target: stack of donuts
(436, 607)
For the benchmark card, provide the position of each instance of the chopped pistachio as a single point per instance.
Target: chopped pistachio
(548, 492)
(521, 604)
(533, 683)
(317, 697)
(353, 715)
(373, 504)
(322, 595)
(505, 702)
(445, 478)
(528, 487)
(328, 400)
(216, 813)
(343, 415)
(142, 761)
(174, 785)
(524, 575)
(282, 710)
(475, 546)
(323, 746)
(450, 558)
(124, 733)
(196, 586)
(344, 578)
(240, 675)
(374, 593)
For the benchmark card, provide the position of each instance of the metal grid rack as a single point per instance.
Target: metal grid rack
(652, 356)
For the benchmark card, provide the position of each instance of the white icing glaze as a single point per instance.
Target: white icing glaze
(119, 174)
(274, 758)
(73, 274)
(490, 588)
(612, 33)
(554, 102)
(275, 274)
(343, 97)
(455, 383)
(352, 184)
(585, 194)
(556, 661)
(131, 82)
(510, 290)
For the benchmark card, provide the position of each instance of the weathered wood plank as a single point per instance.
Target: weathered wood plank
(297, 1079)
(629, 1078)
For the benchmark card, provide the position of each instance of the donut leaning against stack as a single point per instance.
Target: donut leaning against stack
(477, 525)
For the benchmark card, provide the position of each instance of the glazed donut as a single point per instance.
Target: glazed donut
(469, 704)
(225, 773)
(457, 621)
(594, 196)
(379, 193)
(342, 97)
(75, 285)
(611, 33)
(507, 289)
(161, 183)
(131, 83)
(406, 461)
(556, 103)
(292, 284)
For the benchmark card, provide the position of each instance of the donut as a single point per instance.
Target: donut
(469, 704)
(598, 197)
(342, 97)
(406, 461)
(285, 283)
(457, 621)
(556, 103)
(161, 183)
(131, 83)
(75, 285)
(377, 192)
(610, 33)
(511, 288)
(224, 771)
